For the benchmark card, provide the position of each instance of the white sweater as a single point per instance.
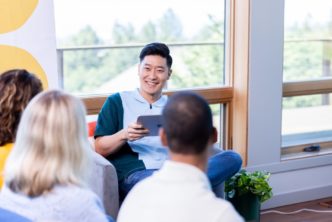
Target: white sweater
(63, 203)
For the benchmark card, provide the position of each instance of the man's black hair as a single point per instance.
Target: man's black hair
(187, 121)
(157, 48)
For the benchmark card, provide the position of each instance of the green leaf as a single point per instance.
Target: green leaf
(244, 182)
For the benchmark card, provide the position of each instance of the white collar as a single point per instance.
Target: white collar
(178, 171)
(159, 103)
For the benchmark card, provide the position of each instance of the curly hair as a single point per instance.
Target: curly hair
(17, 88)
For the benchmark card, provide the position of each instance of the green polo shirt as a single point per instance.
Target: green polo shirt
(110, 121)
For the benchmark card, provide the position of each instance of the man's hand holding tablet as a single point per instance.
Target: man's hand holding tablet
(150, 122)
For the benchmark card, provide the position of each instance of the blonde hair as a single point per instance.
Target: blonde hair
(51, 146)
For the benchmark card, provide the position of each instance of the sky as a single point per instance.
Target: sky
(72, 15)
(298, 10)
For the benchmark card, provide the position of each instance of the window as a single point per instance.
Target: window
(218, 111)
(307, 102)
(101, 54)
(307, 118)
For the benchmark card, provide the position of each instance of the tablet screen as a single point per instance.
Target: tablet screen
(151, 122)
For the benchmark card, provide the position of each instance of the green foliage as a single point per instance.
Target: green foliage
(123, 33)
(194, 66)
(303, 60)
(302, 101)
(86, 70)
(204, 65)
(81, 67)
(244, 182)
(169, 27)
(148, 32)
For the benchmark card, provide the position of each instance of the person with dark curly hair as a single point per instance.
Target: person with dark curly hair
(17, 88)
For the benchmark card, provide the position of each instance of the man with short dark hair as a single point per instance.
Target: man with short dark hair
(180, 191)
(125, 143)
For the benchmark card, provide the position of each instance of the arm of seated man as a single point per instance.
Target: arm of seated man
(108, 144)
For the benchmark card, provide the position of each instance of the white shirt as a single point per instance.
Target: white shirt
(178, 192)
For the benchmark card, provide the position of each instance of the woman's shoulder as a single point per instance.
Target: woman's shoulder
(66, 203)
(73, 192)
(77, 199)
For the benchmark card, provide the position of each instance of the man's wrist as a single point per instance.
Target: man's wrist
(125, 135)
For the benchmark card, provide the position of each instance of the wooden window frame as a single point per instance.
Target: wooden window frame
(218, 95)
(308, 87)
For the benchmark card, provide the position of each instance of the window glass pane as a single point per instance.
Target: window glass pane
(306, 119)
(196, 38)
(308, 43)
(217, 112)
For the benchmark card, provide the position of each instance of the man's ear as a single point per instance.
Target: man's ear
(214, 135)
(169, 73)
(163, 137)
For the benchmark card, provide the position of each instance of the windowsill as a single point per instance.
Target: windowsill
(300, 155)
(292, 164)
(293, 145)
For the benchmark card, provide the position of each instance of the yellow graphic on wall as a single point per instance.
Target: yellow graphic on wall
(14, 13)
(16, 58)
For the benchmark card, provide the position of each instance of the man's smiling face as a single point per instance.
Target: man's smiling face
(153, 73)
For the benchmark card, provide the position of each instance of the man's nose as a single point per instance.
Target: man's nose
(153, 73)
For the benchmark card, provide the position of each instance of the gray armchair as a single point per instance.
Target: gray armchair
(104, 182)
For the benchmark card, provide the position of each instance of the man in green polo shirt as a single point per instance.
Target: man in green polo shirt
(125, 143)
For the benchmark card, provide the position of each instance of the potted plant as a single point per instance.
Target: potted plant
(246, 191)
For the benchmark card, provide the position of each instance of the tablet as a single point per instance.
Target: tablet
(151, 122)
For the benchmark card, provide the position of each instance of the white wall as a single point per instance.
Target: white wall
(300, 185)
(36, 38)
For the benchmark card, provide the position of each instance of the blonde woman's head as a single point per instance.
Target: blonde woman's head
(51, 146)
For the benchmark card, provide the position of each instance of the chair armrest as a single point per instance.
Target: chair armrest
(104, 182)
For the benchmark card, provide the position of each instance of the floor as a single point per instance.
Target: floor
(304, 216)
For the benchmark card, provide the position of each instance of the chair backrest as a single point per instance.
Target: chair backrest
(92, 127)
(9, 216)
(104, 182)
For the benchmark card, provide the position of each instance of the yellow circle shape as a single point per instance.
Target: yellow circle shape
(14, 13)
(15, 58)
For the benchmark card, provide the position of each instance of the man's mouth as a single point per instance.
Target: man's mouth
(152, 84)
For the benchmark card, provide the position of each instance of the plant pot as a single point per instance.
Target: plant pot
(248, 206)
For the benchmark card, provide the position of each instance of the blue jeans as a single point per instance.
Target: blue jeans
(221, 167)
(110, 219)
